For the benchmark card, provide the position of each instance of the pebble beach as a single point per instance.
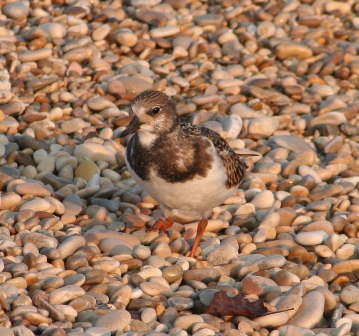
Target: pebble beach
(279, 79)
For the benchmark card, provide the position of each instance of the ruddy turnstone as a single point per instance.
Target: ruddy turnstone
(188, 169)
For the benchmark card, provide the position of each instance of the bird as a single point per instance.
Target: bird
(187, 169)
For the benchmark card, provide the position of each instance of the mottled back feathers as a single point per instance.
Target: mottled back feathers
(235, 168)
(183, 154)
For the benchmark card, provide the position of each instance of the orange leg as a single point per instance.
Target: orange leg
(161, 225)
(200, 230)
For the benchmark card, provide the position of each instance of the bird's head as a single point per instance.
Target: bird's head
(154, 113)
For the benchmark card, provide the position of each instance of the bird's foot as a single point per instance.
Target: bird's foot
(161, 225)
(200, 230)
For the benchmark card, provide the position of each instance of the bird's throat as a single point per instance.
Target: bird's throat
(146, 138)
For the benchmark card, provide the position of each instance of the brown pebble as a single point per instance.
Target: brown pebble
(298, 252)
(287, 215)
(283, 278)
(250, 286)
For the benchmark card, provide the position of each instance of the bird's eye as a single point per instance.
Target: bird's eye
(155, 110)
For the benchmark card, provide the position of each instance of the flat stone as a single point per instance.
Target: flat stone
(70, 246)
(291, 303)
(35, 189)
(7, 332)
(320, 225)
(164, 31)
(295, 331)
(10, 200)
(222, 255)
(285, 50)
(36, 204)
(290, 142)
(153, 289)
(65, 294)
(333, 118)
(264, 126)
(210, 19)
(202, 274)
(95, 152)
(311, 238)
(186, 322)
(272, 321)
(40, 240)
(114, 246)
(53, 29)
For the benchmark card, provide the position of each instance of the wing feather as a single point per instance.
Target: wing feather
(235, 168)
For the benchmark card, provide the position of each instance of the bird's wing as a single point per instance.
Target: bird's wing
(235, 168)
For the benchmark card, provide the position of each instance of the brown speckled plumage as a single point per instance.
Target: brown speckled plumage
(188, 169)
(235, 168)
(180, 151)
(181, 155)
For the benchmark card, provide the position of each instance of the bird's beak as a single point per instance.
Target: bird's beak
(134, 125)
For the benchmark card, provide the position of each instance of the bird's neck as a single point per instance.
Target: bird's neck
(147, 139)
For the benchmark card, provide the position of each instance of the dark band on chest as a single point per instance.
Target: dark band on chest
(174, 161)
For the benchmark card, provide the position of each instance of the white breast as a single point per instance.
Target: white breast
(195, 197)
(146, 138)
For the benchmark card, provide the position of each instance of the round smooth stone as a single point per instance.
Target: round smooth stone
(323, 251)
(232, 125)
(36, 204)
(98, 331)
(290, 301)
(150, 272)
(205, 275)
(164, 31)
(222, 255)
(305, 170)
(16, 10)
(71, 245)
(35, 189)
(76, 279)
(186, 322)
(263, 199)
(115, 320)
(64, 294)
(274, 260)
(264, 126)
(320, 225)
(334, 118)
(180, 303)
(310, 312)
(172, 273)
(10, 200)
(95, 152)
(296, 331)
(273, 320)
(40, 240)
(53, 29)
(153, 289)
(350, 294)
(148, 315)
(311, 238)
